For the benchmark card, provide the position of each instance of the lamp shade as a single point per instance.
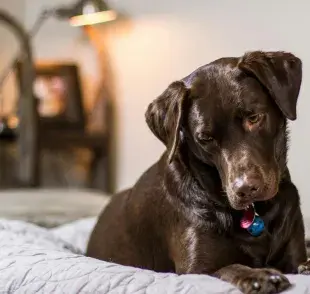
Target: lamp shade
(89, 12)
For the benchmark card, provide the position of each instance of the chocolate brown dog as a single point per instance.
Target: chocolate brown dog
(193, 212)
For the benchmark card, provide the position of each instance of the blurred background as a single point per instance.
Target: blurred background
(92, 83)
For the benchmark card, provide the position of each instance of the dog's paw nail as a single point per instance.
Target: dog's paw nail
(275, 279)
(304, 269)
(256, 286)
(263, 281)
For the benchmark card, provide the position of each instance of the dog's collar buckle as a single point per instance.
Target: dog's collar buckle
(252, 222)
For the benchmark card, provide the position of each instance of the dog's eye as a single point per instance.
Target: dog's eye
(253, 121)
(254, 118)
(205, 139)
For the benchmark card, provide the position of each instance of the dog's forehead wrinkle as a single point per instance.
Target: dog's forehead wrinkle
(225, 63)
(201, 119)
(211, 112)
(222, 84)
(213, 97)
(225, 154)
(235, 156)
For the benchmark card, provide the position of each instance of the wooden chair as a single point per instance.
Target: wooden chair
(43, 135)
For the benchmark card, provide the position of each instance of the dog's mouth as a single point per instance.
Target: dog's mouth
(243, 203)
(243, 191)
(248, 216)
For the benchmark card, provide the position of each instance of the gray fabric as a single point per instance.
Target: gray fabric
(38, 260)
(76, 233)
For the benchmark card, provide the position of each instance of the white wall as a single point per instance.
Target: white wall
(168, 39)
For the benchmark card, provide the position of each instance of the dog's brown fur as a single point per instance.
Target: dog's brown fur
(225, 131)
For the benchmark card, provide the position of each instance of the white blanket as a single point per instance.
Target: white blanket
(36, 260)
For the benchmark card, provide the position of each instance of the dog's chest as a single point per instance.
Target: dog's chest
(262, 249)
(257, 249)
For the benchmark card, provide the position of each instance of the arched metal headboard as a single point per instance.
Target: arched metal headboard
(27, 139)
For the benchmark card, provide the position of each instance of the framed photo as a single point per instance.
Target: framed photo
(58, 94)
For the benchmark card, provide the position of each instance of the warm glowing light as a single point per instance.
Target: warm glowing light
(92, 18)
(13, 122)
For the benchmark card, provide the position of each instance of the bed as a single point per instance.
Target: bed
(39, 260)
(34, 259)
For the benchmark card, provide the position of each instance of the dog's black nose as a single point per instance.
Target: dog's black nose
(246, 188)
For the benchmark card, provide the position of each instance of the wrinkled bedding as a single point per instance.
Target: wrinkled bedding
(37, 260)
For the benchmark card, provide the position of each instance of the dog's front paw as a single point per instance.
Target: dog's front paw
(263, 281)
(304, 268)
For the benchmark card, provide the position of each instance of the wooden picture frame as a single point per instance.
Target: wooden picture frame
(58, 94)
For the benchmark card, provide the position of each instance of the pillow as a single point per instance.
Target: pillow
(51, 207)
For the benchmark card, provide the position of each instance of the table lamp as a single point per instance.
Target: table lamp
(81, 13)
(88, 13)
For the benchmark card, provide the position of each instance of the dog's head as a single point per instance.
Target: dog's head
(231, 114)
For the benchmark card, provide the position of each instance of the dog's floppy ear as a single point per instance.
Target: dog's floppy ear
(164, 116)
(280, 73)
